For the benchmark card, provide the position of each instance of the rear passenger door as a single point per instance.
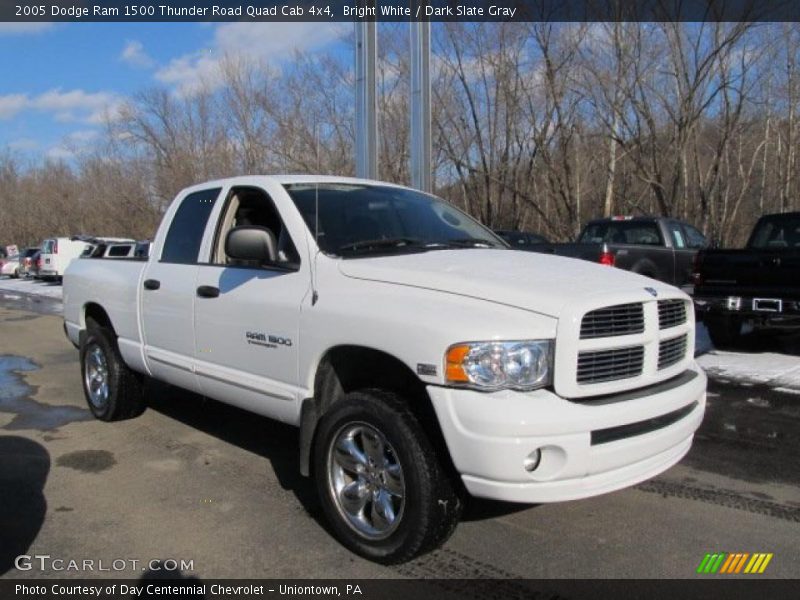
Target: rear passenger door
(168, 292)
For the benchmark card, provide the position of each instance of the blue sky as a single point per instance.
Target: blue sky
(57, 81)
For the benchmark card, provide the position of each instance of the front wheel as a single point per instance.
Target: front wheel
(113, 391)
(381, 485)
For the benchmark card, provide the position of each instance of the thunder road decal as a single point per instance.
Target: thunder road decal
(734, 563)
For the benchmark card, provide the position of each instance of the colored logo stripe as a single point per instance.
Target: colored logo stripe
(758, 563)
(734, 562)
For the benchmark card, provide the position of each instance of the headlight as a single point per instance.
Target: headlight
(522, 365)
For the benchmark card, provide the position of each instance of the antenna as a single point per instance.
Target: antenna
(314, 293)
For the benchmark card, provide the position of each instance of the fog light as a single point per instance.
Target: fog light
(532, 461)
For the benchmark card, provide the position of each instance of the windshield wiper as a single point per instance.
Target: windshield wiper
(382, 244)
(470, 243)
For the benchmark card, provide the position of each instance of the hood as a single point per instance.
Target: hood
(540, 283)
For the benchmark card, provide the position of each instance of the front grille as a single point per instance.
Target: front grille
(610, 365)
(671, 313)
(671, 351)
(622, 319)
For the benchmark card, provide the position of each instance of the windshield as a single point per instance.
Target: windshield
(778, 232)
(360, 219)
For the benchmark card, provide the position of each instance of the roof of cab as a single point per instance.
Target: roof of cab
(289, 179)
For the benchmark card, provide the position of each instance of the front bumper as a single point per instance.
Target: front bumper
(587, 448)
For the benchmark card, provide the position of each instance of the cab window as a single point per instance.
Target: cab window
(252, 207)
(186, 230)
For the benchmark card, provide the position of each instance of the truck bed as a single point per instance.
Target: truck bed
(113, 284)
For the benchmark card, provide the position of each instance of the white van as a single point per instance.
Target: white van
(57, 253)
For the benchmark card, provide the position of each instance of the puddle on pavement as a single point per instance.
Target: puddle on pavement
(16, 397)
(42, 305)
(87, 461)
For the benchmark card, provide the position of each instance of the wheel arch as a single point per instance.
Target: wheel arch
(346, 368)
(94, 311)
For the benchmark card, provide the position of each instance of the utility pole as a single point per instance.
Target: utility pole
(421, 167)
(366, 99)
(420, 101)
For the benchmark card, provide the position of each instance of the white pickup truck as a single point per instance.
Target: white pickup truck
(421, 359)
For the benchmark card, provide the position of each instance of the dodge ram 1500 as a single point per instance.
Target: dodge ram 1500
(421, 359)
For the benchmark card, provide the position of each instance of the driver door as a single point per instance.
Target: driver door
(247, 316)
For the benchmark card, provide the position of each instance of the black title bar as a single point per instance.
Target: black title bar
(399, 10)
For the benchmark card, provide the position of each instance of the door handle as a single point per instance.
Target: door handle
(152, 284)
(208, 291)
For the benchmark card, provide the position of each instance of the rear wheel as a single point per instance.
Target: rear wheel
(381, 485)
(723, 330)
(113, 391)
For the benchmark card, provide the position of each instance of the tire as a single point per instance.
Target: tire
(112, 390)
(723, 330)
(16, 273)
(422, 497)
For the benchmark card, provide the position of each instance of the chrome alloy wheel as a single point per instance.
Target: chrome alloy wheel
(365, 479)
(95, 375)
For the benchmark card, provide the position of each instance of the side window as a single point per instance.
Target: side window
(678, 240)
(694, 237)
(119, 251)
(252, 207)
(186, 231)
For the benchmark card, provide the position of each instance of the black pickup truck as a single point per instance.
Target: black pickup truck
(658, 247)
(757, 285)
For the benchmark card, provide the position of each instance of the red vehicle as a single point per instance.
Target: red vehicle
(26, 261)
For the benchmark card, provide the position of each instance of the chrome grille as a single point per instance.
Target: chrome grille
(622, 319)
(610, 365)
(671, 313)
(671, 351)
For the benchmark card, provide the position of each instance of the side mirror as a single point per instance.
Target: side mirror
(251, 243)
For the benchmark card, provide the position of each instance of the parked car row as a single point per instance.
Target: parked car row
(51, 259)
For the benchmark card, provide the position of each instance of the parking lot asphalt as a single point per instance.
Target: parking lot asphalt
(194, 480)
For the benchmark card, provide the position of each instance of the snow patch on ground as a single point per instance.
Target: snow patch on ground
(768, 368)
(31, 287)
(796, 392)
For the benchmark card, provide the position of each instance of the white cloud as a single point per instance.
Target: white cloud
(60, 153)
(23, 144)
(82, 136)
(24, 28)
(265, 41)
(11, 104)
(133, 54)
(73, 100)
(65, 106)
